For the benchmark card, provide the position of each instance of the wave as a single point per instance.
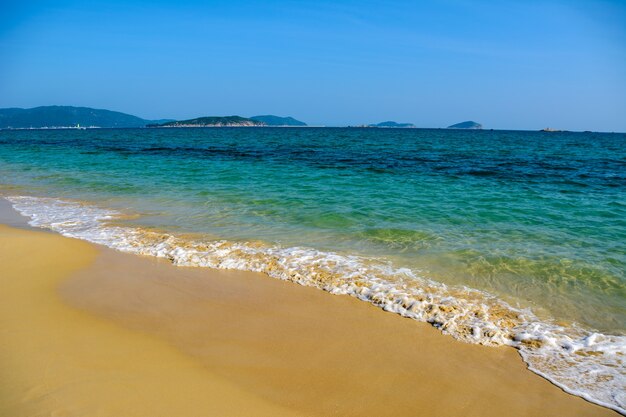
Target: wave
(582, 362)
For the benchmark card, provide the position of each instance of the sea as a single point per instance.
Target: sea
(498, 238)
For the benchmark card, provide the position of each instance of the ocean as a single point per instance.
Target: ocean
(495, 237)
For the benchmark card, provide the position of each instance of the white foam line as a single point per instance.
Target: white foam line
(581, 362)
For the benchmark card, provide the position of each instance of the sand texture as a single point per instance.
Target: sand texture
(87, 331)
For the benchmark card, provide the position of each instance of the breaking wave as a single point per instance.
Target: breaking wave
(581, 362)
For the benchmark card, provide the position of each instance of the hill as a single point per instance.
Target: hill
(466, 125)
(392, 124)
(66, 116)
(211, 121)
(271, 120)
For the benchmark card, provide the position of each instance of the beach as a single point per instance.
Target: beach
(91, 331)
(313, 209)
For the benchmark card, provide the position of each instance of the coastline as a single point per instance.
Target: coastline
(100, 324)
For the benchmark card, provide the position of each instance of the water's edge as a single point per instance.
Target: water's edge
(581, 362)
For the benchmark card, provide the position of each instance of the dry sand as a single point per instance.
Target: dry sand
(87, 331)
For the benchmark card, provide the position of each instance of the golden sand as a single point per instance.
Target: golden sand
(58, 361)
(133, 336)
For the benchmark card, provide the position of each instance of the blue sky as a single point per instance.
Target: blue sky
(506, 64)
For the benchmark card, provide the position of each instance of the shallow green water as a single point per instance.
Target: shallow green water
(538, 219)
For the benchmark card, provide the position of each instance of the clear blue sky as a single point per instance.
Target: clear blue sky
(507, 64)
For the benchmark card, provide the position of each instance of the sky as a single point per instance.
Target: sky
(508, 64)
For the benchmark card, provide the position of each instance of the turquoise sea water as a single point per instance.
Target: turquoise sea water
(536, 219)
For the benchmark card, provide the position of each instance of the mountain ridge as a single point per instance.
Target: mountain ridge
(67, 116)
(60, 117)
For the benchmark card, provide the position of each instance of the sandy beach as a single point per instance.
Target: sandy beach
(288, 208)
(91, 331)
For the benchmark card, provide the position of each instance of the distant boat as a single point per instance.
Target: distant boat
(549, 129)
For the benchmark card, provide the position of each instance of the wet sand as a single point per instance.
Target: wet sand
(90, 331)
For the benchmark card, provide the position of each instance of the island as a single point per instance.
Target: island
(70, 117)
(65, 117)
(392, 124)
(233, 121)
(271, 120)
(212, 121)
(466, 125)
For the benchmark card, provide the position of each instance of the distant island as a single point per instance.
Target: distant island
(271, 120)
(392, 124)
(232, 121)
(68, 117)
(211, 121)
(466, 125)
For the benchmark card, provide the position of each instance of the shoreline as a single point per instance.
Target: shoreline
(283, 348)
(581, 362)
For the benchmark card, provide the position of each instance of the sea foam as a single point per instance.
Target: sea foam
(580, 361)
